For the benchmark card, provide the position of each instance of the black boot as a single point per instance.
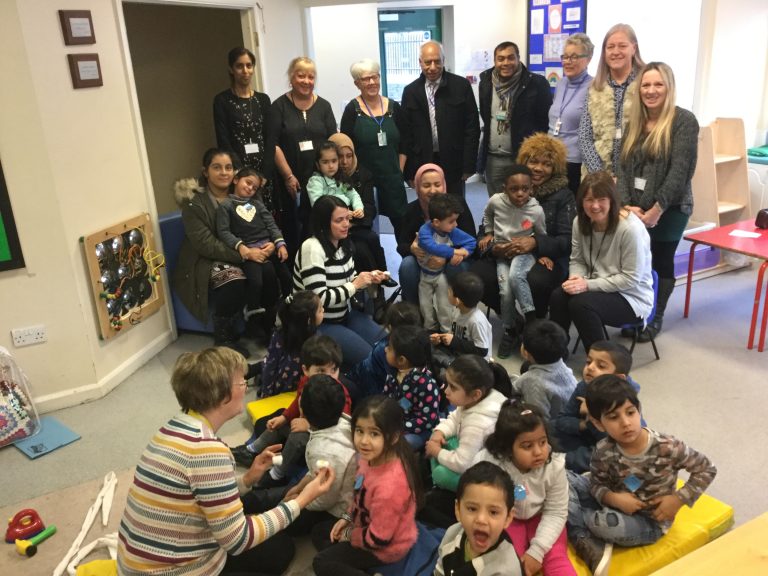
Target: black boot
(224, 334)
(268, 322)
(379, 306)
(666, 286)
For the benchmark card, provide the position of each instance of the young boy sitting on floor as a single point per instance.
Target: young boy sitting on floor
(329, 446)
(549, 383)
(575, 433)
(471, 332)
(319, 355)
(478, 545)
(631, 496)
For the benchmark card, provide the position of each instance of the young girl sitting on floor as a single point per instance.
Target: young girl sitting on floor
(477, 389)
(380, 527)
(371, 374)
(520, 445)
(300, 316)
(413, 387)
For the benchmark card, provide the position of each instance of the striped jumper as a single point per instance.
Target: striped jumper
(183, 513)
(329, 278)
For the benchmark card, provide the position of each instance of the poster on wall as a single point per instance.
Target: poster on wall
(550, 22)
(10, 248)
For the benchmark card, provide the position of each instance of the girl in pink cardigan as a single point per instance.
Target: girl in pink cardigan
(380, 526)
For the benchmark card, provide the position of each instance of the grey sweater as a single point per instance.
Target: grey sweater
(506, 221)
(547, 386)
(616, 262)
(667, 179)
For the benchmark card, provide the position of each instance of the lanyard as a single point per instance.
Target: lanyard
(564, 103)
(379, 123)
(593, 263)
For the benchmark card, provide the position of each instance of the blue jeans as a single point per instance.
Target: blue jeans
(417, 441)
(587, 517)
(356, 336)
(513, 286)
(409, 275)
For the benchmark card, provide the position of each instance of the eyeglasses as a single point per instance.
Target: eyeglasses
(571, 57)
(370, 79)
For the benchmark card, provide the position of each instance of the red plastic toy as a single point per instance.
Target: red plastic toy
(24, 525)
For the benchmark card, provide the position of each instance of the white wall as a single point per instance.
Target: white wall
(72, 165)
(736, 81)
(667, 31)
(334, 52)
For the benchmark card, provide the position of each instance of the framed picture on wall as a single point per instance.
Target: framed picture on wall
(85, 70)
(77, 27)
(550, 22)
(10, 249)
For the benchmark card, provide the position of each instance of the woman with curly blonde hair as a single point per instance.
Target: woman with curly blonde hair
(545, 156)
(658, 159)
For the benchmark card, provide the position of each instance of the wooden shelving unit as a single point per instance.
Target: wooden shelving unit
(720, 184)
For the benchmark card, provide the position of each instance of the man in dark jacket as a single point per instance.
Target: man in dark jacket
(514, 103)
(440, 122)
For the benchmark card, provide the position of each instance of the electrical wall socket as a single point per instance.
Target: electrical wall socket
(29, 335)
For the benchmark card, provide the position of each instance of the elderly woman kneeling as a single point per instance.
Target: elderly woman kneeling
(184, 515)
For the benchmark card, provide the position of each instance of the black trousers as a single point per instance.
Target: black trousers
(574, 176)
(589, 311)
(271, 557)
(343, 559)
(229, 299)
(369, 255)
(263, 284)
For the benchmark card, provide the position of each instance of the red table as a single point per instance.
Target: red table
(755, 247)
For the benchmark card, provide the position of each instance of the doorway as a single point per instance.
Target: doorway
(401, 32)
(179, 60)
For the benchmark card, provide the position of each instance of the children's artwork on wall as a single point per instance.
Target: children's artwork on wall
(10, 248)
(550, 22)
(124, 272)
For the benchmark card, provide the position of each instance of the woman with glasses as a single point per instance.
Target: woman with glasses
(658, 159)
(184, 516)
(514, 104)
(609, 100)
(373, 122)
(568, 104)
(609, 278)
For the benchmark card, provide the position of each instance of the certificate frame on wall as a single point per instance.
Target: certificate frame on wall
(11, 256)
(85, 70)
(77, 27)
(550, 22)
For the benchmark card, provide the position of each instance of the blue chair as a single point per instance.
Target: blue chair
(172, 233)
(636, 327)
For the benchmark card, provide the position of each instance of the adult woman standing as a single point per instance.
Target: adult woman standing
(568, 105)
(324, 264)
(205, 262)
(373, 123)
(300, 121)
(241, 119)
(658, 159)
(184, 515)
(610, 281)
(602, 123)
(545, 156)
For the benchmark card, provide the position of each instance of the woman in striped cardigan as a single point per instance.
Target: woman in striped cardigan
(325, 265)
(183, 516)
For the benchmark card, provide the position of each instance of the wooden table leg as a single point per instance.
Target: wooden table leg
(690, 279)
(756, 309)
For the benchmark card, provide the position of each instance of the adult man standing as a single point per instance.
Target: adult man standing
(440, 121)
(514, 103)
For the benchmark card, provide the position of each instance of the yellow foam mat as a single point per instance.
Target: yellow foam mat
(692, 529)
(266, 406)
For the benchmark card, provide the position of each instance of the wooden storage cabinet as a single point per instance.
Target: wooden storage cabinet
(720, 183)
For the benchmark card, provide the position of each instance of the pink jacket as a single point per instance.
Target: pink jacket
(383, 511)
